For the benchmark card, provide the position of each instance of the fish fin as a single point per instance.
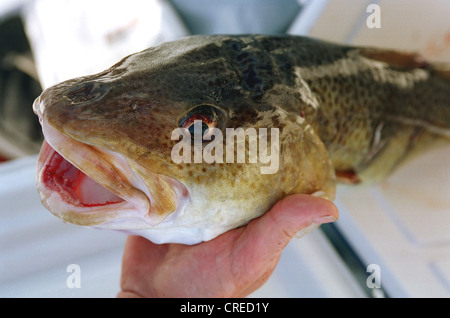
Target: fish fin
(394, 58)
(408, 142)
(347, 177)
(406, 60)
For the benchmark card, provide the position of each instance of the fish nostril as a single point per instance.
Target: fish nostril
(86, 92)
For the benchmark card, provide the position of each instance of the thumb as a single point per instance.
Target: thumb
(295, 214)
(265, 237)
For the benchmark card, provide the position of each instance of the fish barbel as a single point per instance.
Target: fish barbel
(340, 112)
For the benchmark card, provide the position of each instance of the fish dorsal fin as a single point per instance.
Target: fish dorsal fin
(394, 58)
(406, 60)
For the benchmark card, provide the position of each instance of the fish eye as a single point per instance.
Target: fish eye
(210, 117)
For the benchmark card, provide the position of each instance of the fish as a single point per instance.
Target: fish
(117, 151)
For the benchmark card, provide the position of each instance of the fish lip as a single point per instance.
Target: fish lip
(136, 202)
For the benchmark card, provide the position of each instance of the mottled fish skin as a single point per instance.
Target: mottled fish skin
(353, 111)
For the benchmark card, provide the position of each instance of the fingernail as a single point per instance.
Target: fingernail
(324, 219)
(306, 230)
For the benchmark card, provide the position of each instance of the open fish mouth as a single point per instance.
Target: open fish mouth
(73, 185)
(87, 185)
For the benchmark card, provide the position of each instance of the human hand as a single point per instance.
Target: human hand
(233, 264)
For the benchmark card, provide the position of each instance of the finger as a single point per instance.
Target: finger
(139, 259)
(293, 214)
(264, 238)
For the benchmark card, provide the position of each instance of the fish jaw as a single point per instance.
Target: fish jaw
(86, 185)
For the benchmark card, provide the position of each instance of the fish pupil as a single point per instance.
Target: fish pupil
(205, 128)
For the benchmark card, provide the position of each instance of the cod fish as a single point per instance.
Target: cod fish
(339, 112)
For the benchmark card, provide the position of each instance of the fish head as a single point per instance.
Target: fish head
(142, 147)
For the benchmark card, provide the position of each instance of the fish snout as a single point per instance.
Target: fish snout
(55, 99)
(37, 108)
